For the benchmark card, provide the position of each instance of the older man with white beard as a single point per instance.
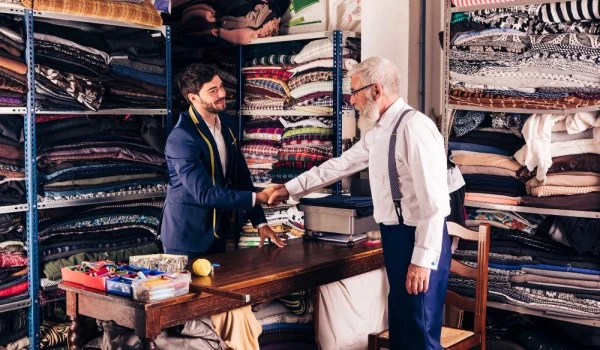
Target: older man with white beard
(407, 172)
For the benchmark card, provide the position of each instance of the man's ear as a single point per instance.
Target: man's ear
(377, 91)
(191, 97)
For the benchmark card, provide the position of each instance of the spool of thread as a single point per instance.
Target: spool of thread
(202, 267)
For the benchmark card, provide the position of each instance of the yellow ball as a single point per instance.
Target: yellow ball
(202, 267)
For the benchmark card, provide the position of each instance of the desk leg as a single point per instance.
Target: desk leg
(149, 344)
(76, 333)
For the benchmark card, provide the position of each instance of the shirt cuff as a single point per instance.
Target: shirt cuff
(261, 225)
(253, 199)
(425, 258)
(294, 188)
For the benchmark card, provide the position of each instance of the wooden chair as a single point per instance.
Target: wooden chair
(455, 338)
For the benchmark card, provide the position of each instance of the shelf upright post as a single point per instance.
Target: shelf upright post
(31, 187)
(338, 44)
(240, 91)
(169, 79)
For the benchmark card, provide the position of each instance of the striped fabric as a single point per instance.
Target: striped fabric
(462, 3)
(142, 14)
(570, 11)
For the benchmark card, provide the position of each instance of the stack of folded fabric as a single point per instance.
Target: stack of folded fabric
(141, 12)
(529, 265)
(262, 142)
(13, 69)
(99, 156)
(88, 69)
(560, 161)
(112, 232)
(13, 330)
(12, 171)
(278, 218)
(306, 142)
(533, 56)
(137, 70)
(300, 82)
(481, 146)
(13, 272)
(284, 328)
(215, 23)
(320, 15)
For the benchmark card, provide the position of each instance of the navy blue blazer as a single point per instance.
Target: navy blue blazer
(187, 220)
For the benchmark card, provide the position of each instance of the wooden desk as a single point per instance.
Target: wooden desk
(264, 274)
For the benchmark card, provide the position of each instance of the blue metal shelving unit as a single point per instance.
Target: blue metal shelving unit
(338, 45)
(31, 185)
(169, 79)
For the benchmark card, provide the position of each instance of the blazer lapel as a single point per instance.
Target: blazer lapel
(206, 132)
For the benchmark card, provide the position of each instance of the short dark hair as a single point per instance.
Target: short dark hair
(191, 79)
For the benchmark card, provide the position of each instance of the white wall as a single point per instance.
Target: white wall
(385, 33)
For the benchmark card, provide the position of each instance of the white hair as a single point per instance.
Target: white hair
(379, 70)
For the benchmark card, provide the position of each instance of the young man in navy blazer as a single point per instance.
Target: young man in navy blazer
(209, 181)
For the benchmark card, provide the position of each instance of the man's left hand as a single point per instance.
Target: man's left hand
(417, 279)
(267, 232)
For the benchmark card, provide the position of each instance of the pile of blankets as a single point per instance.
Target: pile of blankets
(534, 56)
(13, 68)
(83, 67)
(301, 81)
(541, 263)
(87, 157)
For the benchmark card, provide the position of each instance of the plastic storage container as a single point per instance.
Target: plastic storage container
(162, 287)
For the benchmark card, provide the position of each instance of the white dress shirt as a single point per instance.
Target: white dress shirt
(215, 130)
(421, 163)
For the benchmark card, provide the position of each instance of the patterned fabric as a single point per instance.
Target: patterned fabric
(143, 13)
(12, 260)
(315, 50)
(279, 72)
(567, 39)
(53, 334)
(298, 303)
(462, 3)
(301, 157)
(260, 149)
(306, 130)
(299, 80)
(296, 164)
(545, 191)
(465, 121)
(521, 222)
(272, 60)
(570, 11)
(84, 90)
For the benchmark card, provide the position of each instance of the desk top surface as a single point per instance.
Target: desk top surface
(255, 266)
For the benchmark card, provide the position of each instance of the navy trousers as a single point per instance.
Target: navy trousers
(415, 321)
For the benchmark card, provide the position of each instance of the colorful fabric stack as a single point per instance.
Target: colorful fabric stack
(560, 161)
(13, 272)
(534, 56)
(300, 82)
(99, 156)
(284, 219)
(112, 232)
(285, 327)
(80, 69)
(306, 142)
(262, 143)
(541, 263)
(13, 68)
(12, 171)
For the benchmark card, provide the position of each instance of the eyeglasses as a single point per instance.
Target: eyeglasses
(353, 92)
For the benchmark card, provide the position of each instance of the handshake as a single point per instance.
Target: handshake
(272, 195)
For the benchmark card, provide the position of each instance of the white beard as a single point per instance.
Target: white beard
(368, 116)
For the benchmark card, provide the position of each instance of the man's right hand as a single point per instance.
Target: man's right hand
(263, 196)
(279, 195)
